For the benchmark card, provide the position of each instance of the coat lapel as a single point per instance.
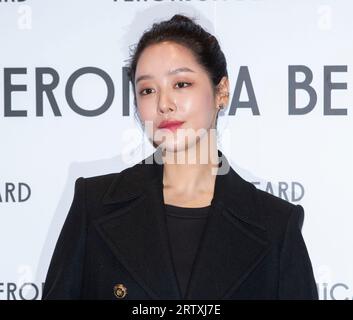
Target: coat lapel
(136, 231)
(234, 240)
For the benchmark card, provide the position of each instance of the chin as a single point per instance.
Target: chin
(181, 145)
(172, 142)
(174, 146)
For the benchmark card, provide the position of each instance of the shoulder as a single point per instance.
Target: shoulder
(279, 214)
(274, 206)
(99, 184)
(95, 188)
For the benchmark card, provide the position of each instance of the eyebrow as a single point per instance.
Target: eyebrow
(175, 71)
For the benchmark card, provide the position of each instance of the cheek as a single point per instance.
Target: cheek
(200, 110)
(147, 120)
(148, 117)
(146, 113)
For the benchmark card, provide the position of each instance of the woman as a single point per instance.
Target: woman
(182, 224)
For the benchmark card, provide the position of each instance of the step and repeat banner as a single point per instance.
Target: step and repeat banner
(66, 111)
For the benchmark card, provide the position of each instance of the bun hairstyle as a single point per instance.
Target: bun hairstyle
(184, 31)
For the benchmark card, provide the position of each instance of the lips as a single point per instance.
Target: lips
(170, 124)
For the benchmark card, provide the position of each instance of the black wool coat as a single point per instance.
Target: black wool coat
(115, 234)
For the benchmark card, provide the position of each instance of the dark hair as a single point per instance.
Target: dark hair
(184, 31)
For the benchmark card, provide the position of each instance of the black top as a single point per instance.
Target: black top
(185, 226)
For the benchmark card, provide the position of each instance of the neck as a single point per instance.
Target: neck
(190, 171)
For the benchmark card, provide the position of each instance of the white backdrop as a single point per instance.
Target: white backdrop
(309, 156)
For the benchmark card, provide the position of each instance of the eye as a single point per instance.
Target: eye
(180, 82)
(141, 92)
(188, 83)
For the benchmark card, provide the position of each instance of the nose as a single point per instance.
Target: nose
(166, 103)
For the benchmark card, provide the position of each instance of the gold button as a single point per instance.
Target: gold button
(120, 291)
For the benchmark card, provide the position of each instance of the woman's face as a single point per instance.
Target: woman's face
(185, 95)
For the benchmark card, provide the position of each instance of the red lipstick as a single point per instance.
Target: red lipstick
(170, 124)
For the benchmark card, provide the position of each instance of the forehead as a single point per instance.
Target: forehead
(165, 56)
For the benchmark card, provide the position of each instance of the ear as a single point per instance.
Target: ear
(222, 97)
